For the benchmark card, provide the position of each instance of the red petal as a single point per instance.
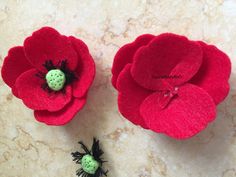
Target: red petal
(213, 75)
(167, 58)
(125, 55)
(14, 91)
(85, 70)
(47, 44)
(63, 116)
(131, 96)
(185, 116)
(29, 90)
(14, 65)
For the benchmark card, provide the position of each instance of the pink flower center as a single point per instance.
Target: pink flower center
(167, 95)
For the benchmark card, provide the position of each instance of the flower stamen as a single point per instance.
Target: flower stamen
(55, 79)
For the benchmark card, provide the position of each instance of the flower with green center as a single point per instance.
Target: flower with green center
(55, 79)
(89, 165)
(51, 73)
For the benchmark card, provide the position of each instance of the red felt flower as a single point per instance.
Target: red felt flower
(51, 73)
(170, 84)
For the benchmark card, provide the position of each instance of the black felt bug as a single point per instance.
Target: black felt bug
(90, 160)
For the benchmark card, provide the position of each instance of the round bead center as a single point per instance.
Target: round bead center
(89, 165)
(55, 79)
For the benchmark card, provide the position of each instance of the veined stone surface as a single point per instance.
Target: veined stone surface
(32, 149)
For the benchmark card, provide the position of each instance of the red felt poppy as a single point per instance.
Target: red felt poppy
(51, 73)
(170, 84)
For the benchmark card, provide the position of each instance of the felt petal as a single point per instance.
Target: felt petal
(213, 75)
(85, 70)
(63, 116)
(47, 44)
(131, 96)
(14, 65)
(29, 90)
(14, 91)
(125, 55)
(167, 58)
(185, 116)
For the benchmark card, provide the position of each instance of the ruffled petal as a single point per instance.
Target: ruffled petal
(14, 91)
(125, 55)
(131, 96)
(85, 70)
(30, 91)
(63, 116)
(185, 116)
(47, 44)
(214, 73)
(14, 65)
(167, 58)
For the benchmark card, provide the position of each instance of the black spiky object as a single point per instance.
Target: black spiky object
(90, 160)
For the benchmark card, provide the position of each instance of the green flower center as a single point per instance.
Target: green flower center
(55, 79)
(89, 165)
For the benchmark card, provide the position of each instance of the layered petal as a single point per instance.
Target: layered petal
(167, 58)
(131, 96)
(14, 65)
(62, 116)
(185, 116)
(126, 53)
(35, 97)
(85, 71)
(47, 44)
(213, 76)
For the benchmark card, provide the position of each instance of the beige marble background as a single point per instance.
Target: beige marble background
(31, 149)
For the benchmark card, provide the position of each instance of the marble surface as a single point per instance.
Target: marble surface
(31, 149)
